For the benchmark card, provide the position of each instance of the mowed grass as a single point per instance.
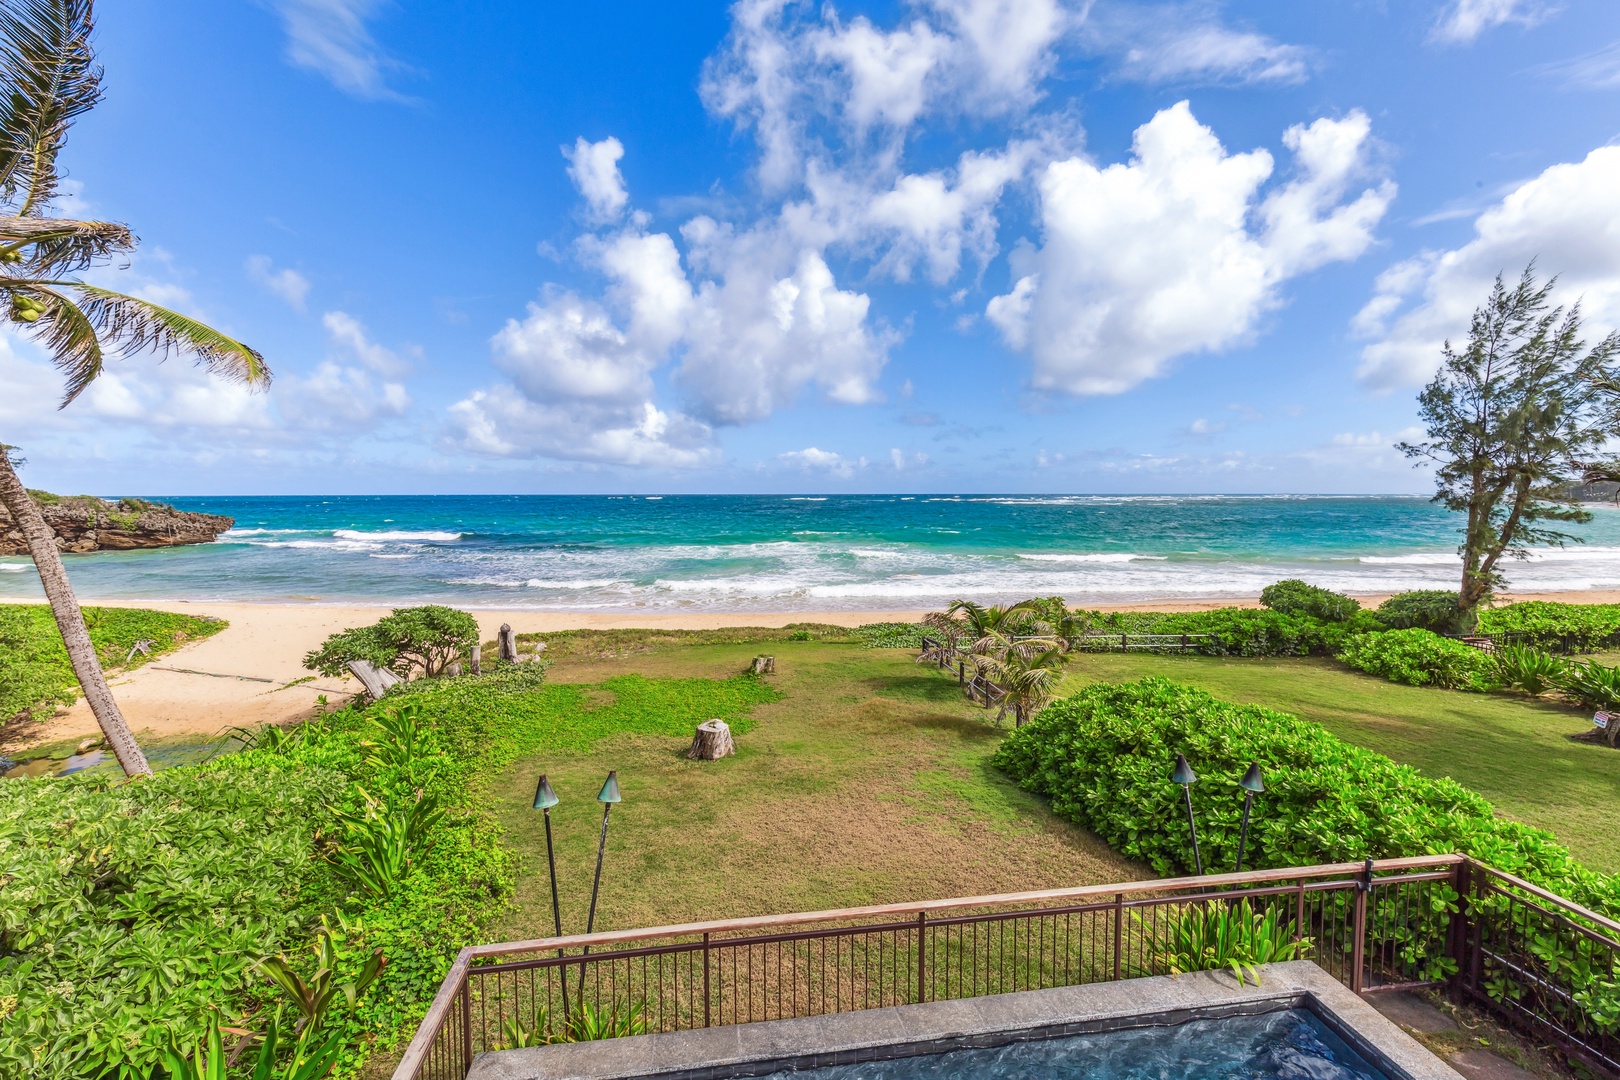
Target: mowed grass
(867, 781)
(1516, 752)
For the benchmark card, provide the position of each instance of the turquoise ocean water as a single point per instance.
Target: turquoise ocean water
(787, 553)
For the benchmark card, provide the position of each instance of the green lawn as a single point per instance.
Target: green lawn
(866, 782)
(1516, 752)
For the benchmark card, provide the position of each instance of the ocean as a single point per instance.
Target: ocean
(738, 553)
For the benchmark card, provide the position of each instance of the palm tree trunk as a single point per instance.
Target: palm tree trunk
(70, 620)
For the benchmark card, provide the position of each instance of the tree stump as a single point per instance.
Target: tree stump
(712, 741)
(475, 659)
(764, 665)
(508, 644)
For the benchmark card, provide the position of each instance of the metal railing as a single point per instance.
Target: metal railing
(1377, 925)
(1543, 964)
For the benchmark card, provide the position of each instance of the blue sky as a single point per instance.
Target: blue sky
(1009, 245)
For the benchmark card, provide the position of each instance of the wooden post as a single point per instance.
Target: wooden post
(508, 644)
(475, 658)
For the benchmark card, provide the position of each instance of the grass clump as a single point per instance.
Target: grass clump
(35, 674)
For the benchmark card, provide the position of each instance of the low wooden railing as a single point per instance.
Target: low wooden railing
(1376, 925)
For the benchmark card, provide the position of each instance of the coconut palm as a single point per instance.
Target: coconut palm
(48, 78)
(1028, 679)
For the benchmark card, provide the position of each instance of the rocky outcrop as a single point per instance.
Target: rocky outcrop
(86, 523)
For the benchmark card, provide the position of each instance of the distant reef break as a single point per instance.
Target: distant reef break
(85, 523)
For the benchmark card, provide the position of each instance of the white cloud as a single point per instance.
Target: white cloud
(1567, 219)
(502, 422)
(1462, 21)
(594, 169)
(833, 464)
(794, 75)
(347, 333)
(1203, 428)
(1598, 70)
(286, 283)
(901, 461)
(330, 38)
(758, 335)
(1152, 259)
(1188, 44)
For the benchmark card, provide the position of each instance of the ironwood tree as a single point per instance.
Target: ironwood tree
(49, 78)
(1511, 417)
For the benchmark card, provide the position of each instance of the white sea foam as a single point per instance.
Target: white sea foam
(807, 498)
(1097, 557)
(396, 555)
(13, 568)
(355, 534)
(592, 583)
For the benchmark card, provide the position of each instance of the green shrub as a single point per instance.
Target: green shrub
(1545, 624)
(1420, 658)
(1424, 609)
(1104, 758)
(1295, 597)
(1593, 685)
(35, 674)
(1519, 667)
(420, 640)
(1241, 631)
(134, 909)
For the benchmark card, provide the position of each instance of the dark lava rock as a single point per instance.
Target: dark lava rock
(85, 523)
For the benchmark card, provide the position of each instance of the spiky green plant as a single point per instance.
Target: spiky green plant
(1219, 937)
(1521, 667)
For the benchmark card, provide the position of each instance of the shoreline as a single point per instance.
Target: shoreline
(245, 674)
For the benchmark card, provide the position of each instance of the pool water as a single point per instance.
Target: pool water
(1290, 1044)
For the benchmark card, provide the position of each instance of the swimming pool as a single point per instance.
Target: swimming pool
(1289, 1044)
(1299, 1024)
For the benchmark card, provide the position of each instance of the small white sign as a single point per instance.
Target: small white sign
(1600, 720)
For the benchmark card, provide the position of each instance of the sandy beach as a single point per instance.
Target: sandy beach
(240, 676)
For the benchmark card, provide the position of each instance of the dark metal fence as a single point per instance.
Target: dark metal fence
(1543, 964)
(1378, 925)
(1101, 642)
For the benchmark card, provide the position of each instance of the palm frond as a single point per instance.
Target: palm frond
(48, 77)
(133, 325)
(50, 246)
(69, 334)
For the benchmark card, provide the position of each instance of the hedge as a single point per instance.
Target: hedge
(1242, 631)
(1420, 658)
(1546, 624)
(1104, 758)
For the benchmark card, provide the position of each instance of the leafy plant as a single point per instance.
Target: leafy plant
(420, 640)
(1218, 937)
(1520, 667)
(314, 997)
(1420, 658)
(1295, 597)
(890, 635)
(310, 1059)
(1585, 627)
(1241, 631)
(1592, 684)
(590, 1023)
(379, 844)
(515, 1034)
(1424, 609)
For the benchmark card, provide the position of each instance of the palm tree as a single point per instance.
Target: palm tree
(1028, 680)
(48, 78)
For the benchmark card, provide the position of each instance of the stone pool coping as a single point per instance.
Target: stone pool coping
(842, 1038)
